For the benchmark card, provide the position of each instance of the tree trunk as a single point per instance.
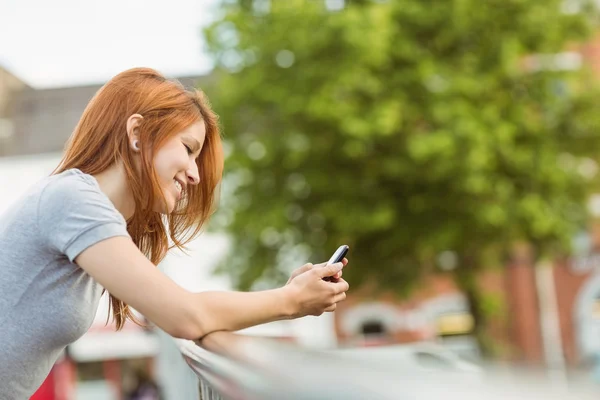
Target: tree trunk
(466, 279)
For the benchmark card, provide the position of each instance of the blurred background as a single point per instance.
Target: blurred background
(452, 144)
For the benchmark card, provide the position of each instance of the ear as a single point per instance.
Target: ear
(133, 125)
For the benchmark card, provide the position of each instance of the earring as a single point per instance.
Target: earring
(135, 145)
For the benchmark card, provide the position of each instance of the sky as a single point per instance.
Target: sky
(75, 42)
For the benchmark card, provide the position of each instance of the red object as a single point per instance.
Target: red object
(46, 391)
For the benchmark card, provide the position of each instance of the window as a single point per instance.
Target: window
(90, 371)
(373, 328)
(6, 128)
(455, 324)
(596, 309)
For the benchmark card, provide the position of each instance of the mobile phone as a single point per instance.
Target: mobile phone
(338, 256)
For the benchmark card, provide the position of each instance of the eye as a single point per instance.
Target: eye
(188, 148)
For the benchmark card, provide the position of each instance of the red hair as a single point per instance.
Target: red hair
(100, 140)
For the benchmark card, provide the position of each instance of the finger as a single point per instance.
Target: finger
(341, 286)
(299, 271)
(337, 276)
(345, 261)
(302, 269)
(331, 308)
(339, 297)
(330, 270)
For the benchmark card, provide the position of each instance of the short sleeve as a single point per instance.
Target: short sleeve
(74, 214)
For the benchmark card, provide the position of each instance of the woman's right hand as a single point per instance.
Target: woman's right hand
(309, 294)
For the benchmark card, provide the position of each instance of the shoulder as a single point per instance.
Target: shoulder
(73, 213)
(73, 192)
(70, 183)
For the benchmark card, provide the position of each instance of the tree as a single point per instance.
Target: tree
(407, 129)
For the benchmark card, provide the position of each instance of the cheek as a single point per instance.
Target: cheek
(158, 165)
(166, 163)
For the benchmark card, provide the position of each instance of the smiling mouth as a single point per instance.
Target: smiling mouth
(179, 188)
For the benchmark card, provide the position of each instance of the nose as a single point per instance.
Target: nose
(192, 174)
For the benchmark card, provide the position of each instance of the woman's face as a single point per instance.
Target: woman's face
(175, 165)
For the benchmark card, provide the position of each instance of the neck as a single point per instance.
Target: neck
(113, 182)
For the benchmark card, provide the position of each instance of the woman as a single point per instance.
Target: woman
(140, 169)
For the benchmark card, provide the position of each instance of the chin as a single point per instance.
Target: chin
(169, 208)
(165, 208)
(161, 210)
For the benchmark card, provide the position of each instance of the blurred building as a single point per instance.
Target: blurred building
(10, 86)
(42, 120)
(527, 295)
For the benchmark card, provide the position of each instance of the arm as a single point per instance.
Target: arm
(118, 265)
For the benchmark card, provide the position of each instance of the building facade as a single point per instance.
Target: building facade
(534, 302)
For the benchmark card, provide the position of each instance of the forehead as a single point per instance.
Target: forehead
(197, 131)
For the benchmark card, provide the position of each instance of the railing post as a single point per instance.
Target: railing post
(207, 392)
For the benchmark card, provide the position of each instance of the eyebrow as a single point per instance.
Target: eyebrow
(195, 143)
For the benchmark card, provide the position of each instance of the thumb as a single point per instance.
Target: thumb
(330, 270)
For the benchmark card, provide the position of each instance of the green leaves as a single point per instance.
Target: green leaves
(404, 129)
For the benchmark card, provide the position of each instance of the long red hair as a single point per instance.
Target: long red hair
(100, 140)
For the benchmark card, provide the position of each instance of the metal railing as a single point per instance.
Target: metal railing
(235, 367)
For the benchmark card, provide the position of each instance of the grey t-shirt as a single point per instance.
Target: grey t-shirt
(46, 300)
